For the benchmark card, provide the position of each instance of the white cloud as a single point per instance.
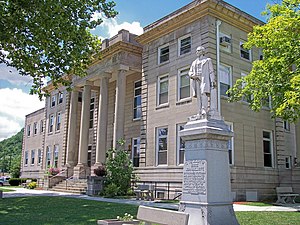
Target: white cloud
(11, 75)
(15, 104)
(112, 26)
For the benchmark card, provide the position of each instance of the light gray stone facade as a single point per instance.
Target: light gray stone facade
(138, 91)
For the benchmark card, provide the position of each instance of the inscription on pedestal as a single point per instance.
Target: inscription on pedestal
(194, 177)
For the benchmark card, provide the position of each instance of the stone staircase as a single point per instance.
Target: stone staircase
(77, 186)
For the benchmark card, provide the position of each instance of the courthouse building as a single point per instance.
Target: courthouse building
(140, 91)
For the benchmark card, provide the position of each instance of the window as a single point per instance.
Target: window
(184, 90)
(28, 130)
(58, 120)
(245, 98)
(163, 89)
(184, 45)
(225, 42)
(35, 128)
(162, 146)
(225, 79)
(137, 101)
(89, 156)
(245, 54)
(39, 156)
(286, 126)
(268, 149)
(51, 123)
(260, 54)
(136, 144)
(180, 146)
(230, 145)
(48, 156)
(53, 99)
(266, 102)
(26, 158)
(42, 126)
(288, 164)
(55, 158)
(163, 54)
(92, 109)
(60, 97)
(32, 156)
(79, 96)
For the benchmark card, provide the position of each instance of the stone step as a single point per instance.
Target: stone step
(71, 185)
(69, 191)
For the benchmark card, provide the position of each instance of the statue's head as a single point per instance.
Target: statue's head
(200, 51)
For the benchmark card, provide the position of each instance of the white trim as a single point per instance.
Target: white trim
(159, 53)
(157, 144)
(225, 66)
(179, 83)
(250, 52)
(179, 44)
(230, 125)
(136, 96)
(160, 79)
(178, 144)
(272, 147)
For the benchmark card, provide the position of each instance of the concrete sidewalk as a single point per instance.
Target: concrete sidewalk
(23, 192)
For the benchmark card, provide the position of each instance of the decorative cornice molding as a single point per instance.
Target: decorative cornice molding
(218, 9)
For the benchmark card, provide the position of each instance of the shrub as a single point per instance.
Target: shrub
(111, 190)
(119, 171)
(100, 171)
(32, 185)
(14, 181)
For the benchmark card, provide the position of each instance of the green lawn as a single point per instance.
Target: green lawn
(67, 211)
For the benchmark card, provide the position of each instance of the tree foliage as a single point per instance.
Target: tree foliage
(50, 38)
(10, 154)
(277, 74)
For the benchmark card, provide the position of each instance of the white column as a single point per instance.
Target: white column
(71, 143)
(102, 122)
(84, 126)
(119, 107)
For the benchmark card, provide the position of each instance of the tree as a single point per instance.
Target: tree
(277, 74)
(50, 38)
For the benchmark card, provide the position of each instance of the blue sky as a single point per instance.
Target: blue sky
(15, 102)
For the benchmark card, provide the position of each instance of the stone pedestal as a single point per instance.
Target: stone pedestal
(206, 192)
(81, 171)
(95, 185)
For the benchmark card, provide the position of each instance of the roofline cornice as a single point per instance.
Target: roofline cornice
(219, 9)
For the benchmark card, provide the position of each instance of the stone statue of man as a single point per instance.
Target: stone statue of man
(203, 82)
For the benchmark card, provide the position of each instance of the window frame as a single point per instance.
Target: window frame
(286, 126)
(26, 155)
(157, 145)
(231, 126)
(136, 146)
(179, 87)
(28, 130)
(51, 123)
(271, 148)
(180, 44)
(48, 156)
(39, 156)
(230, 79)
(159, 56)
(227, 49)
(138, 107)
(60, 97)
(53, 101)
(92, 112)
(32, 157)
(55, 155)
(58, 121)
(41, 126)
(178, 145)
(161, 79)
(245, 50)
